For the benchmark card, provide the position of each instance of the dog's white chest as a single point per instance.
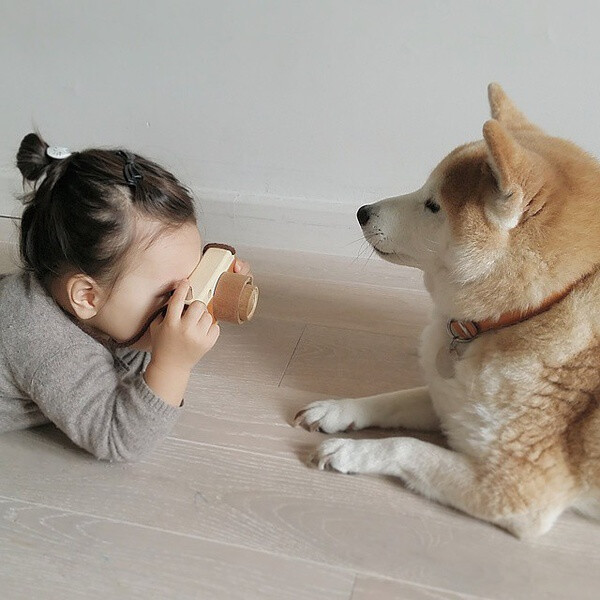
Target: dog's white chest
(445, 363)
(446, 359)
(454, 382)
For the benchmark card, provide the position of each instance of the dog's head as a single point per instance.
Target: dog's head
(501, 223)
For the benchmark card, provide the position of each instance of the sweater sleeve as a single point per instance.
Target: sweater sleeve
(115, 417)
(134, 360)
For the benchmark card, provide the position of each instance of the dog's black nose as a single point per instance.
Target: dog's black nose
(363, 214)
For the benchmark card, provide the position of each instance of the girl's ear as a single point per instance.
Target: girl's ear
(84, 296)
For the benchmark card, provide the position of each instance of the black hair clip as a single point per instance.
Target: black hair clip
(131, 171)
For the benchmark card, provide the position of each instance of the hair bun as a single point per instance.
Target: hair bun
(32, 159)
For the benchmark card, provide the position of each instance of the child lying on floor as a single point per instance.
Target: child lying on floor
(107, 240)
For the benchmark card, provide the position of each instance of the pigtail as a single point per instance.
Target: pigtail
(32, 160)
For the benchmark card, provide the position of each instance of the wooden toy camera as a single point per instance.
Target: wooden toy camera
(228, 296)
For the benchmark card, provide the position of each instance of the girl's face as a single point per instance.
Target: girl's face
(148, 283)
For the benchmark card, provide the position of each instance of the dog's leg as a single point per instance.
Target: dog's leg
(411, 409)
(442, 475)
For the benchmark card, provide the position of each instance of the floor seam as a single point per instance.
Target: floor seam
(292, 355)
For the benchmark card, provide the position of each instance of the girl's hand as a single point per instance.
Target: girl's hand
(182, 337)
(241, 267)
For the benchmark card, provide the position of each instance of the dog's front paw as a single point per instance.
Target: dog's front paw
(337, 455)
(329, 416)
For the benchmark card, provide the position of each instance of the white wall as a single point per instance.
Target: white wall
(287, 115)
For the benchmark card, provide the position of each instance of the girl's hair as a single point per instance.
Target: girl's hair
(83, 215)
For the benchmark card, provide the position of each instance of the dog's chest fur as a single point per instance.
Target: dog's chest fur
(513, 397)
(471, 421)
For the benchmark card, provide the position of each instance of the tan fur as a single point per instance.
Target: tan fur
(548, 451)
(522, 411)
(558, 237)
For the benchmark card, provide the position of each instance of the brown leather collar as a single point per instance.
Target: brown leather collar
(465, 331)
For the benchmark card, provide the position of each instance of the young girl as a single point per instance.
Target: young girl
(107, 239)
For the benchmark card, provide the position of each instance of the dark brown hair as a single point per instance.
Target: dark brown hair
(82, 214)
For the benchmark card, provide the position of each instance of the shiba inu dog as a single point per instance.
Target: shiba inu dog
(507, 233)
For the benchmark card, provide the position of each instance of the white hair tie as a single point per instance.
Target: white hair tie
(57, 152)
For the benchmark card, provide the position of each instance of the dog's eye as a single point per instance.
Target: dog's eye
(432, 206)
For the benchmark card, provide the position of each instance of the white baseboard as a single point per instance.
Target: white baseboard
(279, 223)
(264, 221)
(10, 188)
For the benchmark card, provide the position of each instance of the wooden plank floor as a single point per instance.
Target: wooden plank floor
(226, 508)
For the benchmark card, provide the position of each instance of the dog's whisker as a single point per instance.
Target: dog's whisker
(360, 252)
(366, 244)
(369, 257)
(360, 239)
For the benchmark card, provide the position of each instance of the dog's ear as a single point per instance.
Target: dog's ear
(519, 174)
(504, 110)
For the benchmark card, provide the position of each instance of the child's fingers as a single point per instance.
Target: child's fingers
(177, 301)
(213, 334)
(194, 312)
(241, 267)
(204, 323)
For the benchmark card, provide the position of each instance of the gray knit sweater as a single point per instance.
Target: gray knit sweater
(53, 371)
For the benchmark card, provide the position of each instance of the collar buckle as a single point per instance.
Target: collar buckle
(462, 331)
